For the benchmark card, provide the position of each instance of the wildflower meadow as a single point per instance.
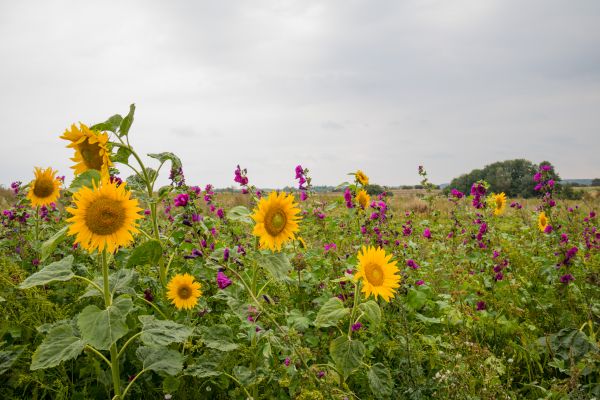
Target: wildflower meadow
(113, 287)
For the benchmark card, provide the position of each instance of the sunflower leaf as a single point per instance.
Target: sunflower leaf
(9, 356)
(239, 213)
(331, 313)
(347, 354)
(50, 245)
(149, 252)
(219, 337)
(57, 271)
(85, 179)
(118, 282)
(101, 328)
(122, 155)
(380, 381)
(277, 264)
(156, 332)
(61, 344)
(167, 156)
(111, 124)
(126, 122)
(160, 359)
(372, 311)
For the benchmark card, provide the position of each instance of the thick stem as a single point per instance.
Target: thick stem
(356, 295)
(114, 357)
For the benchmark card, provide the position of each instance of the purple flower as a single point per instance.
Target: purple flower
(566, 278)
(220, 213)
(499, 276)
(356, 326)
(481, 305)
(537, 177)
(226, 254)
(287, 361)
(546, 168)
(330, 247)
(35, 262)
(320, 374)
(420, 282)
(181, 200)
(548, 229)
(148, 295)
(412, 264)
(456, 193)
(222, 280)
(303, 195)
(348, 198)
(427, 233)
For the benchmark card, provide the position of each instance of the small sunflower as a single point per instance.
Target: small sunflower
(105, 217)
(498, 202)
(362, 178)
(183, 291)
(363, 199)
(377, 272)
(542, 221)
(45, 188)
(302, 242)
(91, 149)
(276, 220)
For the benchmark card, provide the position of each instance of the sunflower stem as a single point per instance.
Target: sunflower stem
(356, 295)
(37, 224)
(114, 355)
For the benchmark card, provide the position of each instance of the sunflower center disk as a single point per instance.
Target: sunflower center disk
(90, 152)
(105, 216)
(498, 203)
(184, 292)
(275, 222)
(375, 274)
(43, 187)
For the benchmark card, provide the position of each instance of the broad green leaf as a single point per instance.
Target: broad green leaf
(149, 252)
(167, 156)
(372, 311)
(205, 369)
(416, 298)
(277, 264)
(119, 282)
(127, 121)
(60, 344)
(239, 213)
(122, 155)
(112, 124)
(298, 320)
(380, 381)
(156, 332)
(85, 179)
(57, 271)
(245, 375)
(331, 313)
(219, 337)
(101, 328)
(2, 299)
(134, 182)
(9, 356)
(160, 359)
(347, 354)
(50, 245)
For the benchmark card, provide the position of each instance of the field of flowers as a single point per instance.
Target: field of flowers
(114, 289)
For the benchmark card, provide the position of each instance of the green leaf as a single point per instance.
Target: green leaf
(298, 321)
(111, 124)
(2, 299)
(127, 121)
(157, 332)
(118, 282)
(149, 252)
(219, 337)
(380, 381)
(167, 156)
(416, 299)
(57, 271)
(136, 183)
(122, 155)
(8, 357)
(205, 369)
(244, 375)
(372, 311)
(160, 359)
(85, 179)
(331, 313)
(50, 245)
(60, 345)
(347, 354)
(277, 264)
(239, 213)
(101, 328)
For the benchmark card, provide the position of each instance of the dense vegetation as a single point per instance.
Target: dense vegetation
(489, 297)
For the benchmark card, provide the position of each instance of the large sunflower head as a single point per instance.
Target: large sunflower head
(361, 178)
(363, 199)
(378, 274)
(45, 188)
(91, 149)
(276, 220)
(542, 221)
(105, 217)
(498, 202)
(183, 291)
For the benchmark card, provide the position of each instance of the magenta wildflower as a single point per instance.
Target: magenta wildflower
(348, 198)
(457, 194)
(566, 278)
(148, 295)
(226, 254)
(220, 213)
(181, 200)
(222, 280)
(356, 326)
(330, 247)
(481, 305)
(412, 264)
(427, 233)
(287, 361)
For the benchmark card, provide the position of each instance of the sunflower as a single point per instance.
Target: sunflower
(363, 199)
(276, 220)
(361, 178)
(498, 202)
(91, 150)
(105, 218)
(377, 272)
(183, 291)
(45, 188)
(542, 221)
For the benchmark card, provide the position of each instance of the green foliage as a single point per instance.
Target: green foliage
(347, 354)
(57, 271)
(102, 328)
(331, 313)
(61, 344)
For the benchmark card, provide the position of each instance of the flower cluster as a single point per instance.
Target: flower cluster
(478, 191)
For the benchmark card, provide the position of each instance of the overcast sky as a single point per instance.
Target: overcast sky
(377, 85)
